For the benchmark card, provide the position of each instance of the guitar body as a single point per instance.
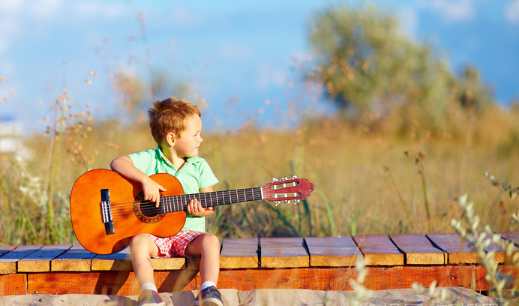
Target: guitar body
(128, 219)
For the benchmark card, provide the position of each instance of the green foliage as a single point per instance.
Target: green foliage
(369, 67)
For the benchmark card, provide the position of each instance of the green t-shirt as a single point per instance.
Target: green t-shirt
(193, 175)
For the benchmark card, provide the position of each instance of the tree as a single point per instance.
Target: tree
(367, 65)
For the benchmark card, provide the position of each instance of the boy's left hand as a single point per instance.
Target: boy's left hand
(194, 208)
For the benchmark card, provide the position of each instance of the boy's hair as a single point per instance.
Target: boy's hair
(170, 115)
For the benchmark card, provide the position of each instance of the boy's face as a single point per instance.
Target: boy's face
(190, 139)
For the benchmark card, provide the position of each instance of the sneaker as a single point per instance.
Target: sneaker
(150, 298)
(209, 297)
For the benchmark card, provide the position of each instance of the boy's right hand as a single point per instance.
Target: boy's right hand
(151, 190)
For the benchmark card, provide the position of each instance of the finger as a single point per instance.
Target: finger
(157, 202)
(162, 188)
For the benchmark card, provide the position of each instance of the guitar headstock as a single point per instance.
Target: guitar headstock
(294, 189)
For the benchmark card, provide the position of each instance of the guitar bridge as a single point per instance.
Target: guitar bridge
(106, 212)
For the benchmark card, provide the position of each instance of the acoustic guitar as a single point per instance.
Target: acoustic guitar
(107, 210)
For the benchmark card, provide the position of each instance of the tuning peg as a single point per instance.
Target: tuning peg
(294, 177)
(283, 179)
(274, 180)
(296, 201)
(287, 201)
(277, 202)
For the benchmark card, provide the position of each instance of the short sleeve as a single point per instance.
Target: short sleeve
(143, 160)
(207, 177)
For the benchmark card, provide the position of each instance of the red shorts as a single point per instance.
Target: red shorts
(175, 246)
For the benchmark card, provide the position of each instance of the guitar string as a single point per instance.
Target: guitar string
(184, 201)
(148, 206)
(205, 196)
(183, 198)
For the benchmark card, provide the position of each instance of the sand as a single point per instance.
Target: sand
(282, 297)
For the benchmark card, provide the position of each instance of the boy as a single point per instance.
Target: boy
(176, 126)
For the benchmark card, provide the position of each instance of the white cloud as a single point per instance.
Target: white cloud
(92, 9)
(43, 9)
(512, 11)
(453, 10)
(11, 6)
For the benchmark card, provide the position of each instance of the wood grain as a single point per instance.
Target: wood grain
(319, 278)
(283, 253)
(332, 251)
(378, 278)
(13, 284)
(39, 261)
(121, 261)
(239, 253)
(108, 282)
(8, 261)
(77, 258)
(458, 249)
(379, 250)
(418, 249)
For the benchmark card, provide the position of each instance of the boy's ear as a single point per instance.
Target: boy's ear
(170, 139)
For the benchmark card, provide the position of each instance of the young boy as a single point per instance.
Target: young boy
(176, 126)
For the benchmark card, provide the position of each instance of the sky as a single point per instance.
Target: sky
(239, 58)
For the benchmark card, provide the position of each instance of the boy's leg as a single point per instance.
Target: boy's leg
(208, 247)
(142, 248)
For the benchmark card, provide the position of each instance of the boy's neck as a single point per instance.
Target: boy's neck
(173, 158)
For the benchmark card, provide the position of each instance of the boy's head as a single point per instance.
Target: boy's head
(169, 116)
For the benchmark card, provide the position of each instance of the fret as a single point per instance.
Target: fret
(210, 199)
(228, 199)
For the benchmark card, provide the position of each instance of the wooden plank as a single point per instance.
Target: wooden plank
(283, 253)
(511, 236)
(77, 258)
(39, 261)
(318, 278)
(121, 261)
(379, 250)
(8, 261)
(458, 249)
(499, 253)
(332, 251)
(239, 253)
(121, 283)
(4, 249)
(418, 250)
(378, 277)
(13, 284)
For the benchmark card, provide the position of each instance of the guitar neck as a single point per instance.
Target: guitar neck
(210, 199)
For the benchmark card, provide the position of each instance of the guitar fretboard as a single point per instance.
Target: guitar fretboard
(209, 199)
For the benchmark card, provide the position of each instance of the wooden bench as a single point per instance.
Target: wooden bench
(393, 262)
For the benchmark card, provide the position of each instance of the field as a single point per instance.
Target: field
(368, 180)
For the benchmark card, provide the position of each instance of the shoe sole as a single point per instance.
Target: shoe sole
(212, 302)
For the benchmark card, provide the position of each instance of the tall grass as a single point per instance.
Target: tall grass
(366, 182)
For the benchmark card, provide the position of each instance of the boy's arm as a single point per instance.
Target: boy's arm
(151, 189)
(195, 208)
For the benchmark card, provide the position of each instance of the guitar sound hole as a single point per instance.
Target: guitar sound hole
(149, 210)
(146, 211)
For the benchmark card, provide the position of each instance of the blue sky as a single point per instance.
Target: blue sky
(237, 55)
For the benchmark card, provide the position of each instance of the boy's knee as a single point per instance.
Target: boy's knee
(211, 241)
(139, 240)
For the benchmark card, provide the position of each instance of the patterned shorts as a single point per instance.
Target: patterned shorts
(174, 246)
